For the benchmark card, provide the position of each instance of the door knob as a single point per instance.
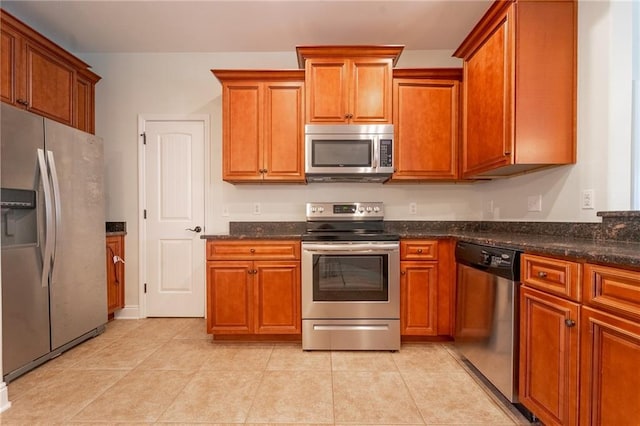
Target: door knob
(196, 229)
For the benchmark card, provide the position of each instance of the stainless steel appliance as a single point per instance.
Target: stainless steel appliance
(350, 279)
(348, 153)
(487, 313)
(53, 249)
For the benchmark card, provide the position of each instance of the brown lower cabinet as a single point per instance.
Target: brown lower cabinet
(579, 342)
(426, 287)
(610, 346)
(253, 287)
(115, 273)
(548, 374)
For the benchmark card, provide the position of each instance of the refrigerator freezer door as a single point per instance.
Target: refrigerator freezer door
(25, 303)
(78, 280)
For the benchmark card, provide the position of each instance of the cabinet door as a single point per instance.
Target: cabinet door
(487, 135)
(277, 297)
(115, 274)
(425, 115)
(230, 297)
(284, 132)
(370, 90)
(549, 328)
(242, 115)
(418, 298)
(9, 63)
(609, 369)
(327, 98)
(85, 101)
(50, 85)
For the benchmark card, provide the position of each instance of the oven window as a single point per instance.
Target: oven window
(341, 153)
(350, 278)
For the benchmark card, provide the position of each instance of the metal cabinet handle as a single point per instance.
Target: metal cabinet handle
(403, 272)
(252, 271)
(542, 274)
(22, 102)
(419, 251)
(569, 322)
(252, 250)
(196, 229)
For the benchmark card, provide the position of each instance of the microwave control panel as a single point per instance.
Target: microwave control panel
(386, 153)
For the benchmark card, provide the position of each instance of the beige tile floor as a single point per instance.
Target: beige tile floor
(159, 371)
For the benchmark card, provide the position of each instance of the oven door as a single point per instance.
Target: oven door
(350, 280)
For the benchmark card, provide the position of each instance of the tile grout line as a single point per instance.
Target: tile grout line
(408, 389)
(255, 392)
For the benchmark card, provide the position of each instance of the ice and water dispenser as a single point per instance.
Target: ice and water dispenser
(19, 217)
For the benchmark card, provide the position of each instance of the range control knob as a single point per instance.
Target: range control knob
(361, 209)
(320, 209)
(376, 209)
(313, 209)
(369, 209)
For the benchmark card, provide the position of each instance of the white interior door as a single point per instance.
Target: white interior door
(174, 204)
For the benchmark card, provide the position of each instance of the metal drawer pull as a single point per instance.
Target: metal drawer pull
(542, 274)
(569, 322)
(419, 251)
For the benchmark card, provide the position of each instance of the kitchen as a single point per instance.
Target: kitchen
(137, 83)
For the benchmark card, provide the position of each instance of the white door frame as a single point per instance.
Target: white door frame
(142, 185)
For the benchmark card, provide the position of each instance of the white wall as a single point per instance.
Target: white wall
(182, 84)
(603, 129)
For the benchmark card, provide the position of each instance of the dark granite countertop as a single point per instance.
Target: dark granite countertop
(115, 228)
(615, 241)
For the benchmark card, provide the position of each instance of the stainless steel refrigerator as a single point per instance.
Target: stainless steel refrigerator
(54, 292)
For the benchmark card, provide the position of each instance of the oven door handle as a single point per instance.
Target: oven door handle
(350, 248)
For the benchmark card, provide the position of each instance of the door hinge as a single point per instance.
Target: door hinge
(144, 214)
(145, 288)
(144, 137)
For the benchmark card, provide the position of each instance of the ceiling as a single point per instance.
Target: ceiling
(247, 26)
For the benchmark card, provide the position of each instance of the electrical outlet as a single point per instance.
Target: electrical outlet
(588, 199)
(256, 208)
(225, 211)
(534, 203)
(413, 208)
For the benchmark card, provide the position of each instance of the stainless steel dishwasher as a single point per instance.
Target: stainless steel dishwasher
(487, 297)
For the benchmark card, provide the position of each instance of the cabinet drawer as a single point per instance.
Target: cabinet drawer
(253, 250)
(418, 250)
(612, 289)
(555, 276)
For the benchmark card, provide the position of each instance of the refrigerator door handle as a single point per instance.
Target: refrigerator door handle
(46, 257)
(56, 199)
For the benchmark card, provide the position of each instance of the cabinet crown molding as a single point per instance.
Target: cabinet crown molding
(350, 51)
(270, 75)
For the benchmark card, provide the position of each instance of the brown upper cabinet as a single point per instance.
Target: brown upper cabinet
(41, 77)
(348, 84)
(519, 101)
(262, 125)
(426, 105)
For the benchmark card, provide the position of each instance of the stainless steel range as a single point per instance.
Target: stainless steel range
(350, 279)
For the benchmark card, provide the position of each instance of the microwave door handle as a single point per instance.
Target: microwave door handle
(376, 153)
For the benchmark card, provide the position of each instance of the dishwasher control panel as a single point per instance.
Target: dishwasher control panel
(500, 261)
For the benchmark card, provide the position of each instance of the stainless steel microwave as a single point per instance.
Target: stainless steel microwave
(348, 152)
